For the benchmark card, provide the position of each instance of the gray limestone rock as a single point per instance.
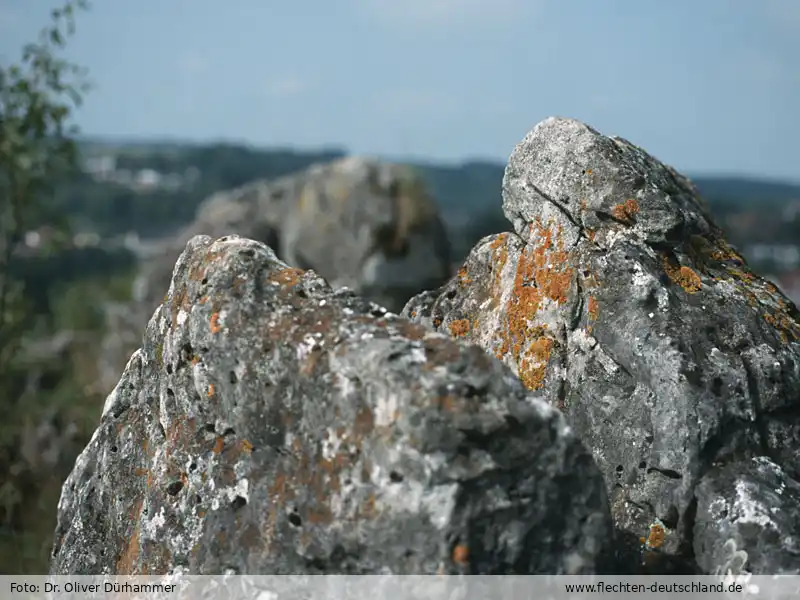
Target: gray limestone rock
(618, 299)
(359, 223)
(270, 424)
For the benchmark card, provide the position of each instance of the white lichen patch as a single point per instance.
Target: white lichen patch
(386, 407)
(150, 528)
(748, 509)
(307, 346)
(182, 317)
(640, 278)
(331, 444)
(439, 503)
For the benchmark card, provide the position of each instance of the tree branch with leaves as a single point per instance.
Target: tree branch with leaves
(37, 146)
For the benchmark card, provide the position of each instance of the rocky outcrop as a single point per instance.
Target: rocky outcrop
(617, 298)
(359, 223)
(270, 424)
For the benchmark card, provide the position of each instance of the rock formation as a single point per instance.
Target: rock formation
(617, 298)
(358, 223)
(363, 224)
(270, 424)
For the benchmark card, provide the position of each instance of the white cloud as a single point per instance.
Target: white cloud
(436, 12)
(286, 86)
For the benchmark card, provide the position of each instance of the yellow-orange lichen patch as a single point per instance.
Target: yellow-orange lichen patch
(785, 325)
(543, 273)
(215, 326)
(682, 276)
(656, 535)
(210, 390)
(130, 553)
(723, 252)
(459, 328)
(179, 302)
(446, 403)
(591, 310)
(626, 211)
(533, 365)
(463, 276)
(288, 277)
(499, 248)
(219, 444)
(460, 554)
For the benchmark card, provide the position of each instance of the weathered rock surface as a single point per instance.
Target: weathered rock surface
(619, 300)
(359, 223)
(272, 425)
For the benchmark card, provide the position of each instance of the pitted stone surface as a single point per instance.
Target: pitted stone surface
(272, 425)
(618, 298)
(359, 223)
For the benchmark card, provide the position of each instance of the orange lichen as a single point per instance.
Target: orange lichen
(437, 323)
(447, 403)
(288, 277)
(215, 326)
(459, 328)
(543, 273)
(724, 252)
(656, 535)
(219, 444)
(130, 553)
(626, 211)
(784, 324)
(592, 308)
(682, 276)
(210, 390)
(533, 364)
(460, 554)
(463, 276)
(499, 257)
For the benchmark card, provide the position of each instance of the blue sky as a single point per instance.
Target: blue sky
(709, 86)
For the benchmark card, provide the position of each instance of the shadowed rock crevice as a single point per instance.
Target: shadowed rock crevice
(618, 299)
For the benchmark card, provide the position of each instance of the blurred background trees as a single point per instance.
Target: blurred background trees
(38, 95)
